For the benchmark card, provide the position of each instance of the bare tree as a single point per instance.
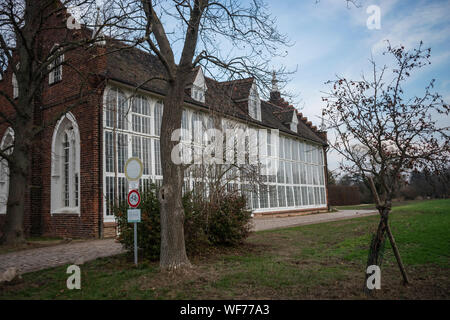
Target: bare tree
(203, 28)
(26, 56)
(231, 40)
(383, 135)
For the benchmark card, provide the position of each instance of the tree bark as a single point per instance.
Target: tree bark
(377, 243)
(18, 172)
(20, 158)
(173, 251)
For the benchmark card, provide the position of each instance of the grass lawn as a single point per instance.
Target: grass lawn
(308, 262)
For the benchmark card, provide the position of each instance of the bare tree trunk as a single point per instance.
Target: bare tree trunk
(13, 229)
(173, 252)
(376, 246)
(377, 242)
(374, 257)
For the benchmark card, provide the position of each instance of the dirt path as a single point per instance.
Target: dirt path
(275, 223)
(47, 257)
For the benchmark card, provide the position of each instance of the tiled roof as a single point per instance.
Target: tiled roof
(135, 67)
(285, 116)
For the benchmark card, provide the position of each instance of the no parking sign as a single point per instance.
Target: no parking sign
(134, 198)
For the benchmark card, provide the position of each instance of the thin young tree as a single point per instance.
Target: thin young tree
(383, 134)
(24, 26)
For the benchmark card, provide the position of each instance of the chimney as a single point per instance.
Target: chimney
(275, 95)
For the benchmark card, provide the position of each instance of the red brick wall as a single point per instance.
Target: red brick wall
(55, 99)
(88, 117)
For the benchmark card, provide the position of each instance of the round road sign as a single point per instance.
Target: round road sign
(133, 169)
(134, 198)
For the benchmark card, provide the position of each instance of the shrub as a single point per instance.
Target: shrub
(223, 222)
(149, 229)
(228, 221)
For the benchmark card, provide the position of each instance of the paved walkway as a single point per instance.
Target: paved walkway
(47, 257)
(79, 252)
(275, 223)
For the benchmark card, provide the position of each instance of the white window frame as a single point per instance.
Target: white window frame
(254, 103)
(199, 88)
(66, 125)
(153, 174)
(294, 122)
(4, 171)
(56, 73)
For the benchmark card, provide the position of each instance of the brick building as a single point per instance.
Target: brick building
(73, 162)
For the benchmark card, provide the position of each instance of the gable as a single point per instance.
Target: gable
(199, 81)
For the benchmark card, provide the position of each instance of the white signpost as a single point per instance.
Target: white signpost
(134, 215)
(133, 172)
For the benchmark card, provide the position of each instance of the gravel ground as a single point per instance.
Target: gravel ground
(264, 223)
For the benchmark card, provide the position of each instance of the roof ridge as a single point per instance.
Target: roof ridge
(236, 80)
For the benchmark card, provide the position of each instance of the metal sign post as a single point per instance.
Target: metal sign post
(133, 172)
(135, 244)
(134, 216)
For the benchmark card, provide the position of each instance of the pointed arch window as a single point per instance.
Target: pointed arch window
(6, 146)
(65, 181)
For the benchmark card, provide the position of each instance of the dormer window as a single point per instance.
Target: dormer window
(55, 68)
(254, 103)
(199, 88)
(198, 94)
(294, 123)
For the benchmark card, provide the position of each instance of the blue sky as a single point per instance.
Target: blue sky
(332, 39)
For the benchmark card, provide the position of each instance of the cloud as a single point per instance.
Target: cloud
(332, 39)
(409, 25)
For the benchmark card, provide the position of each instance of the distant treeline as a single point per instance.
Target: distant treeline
(350, 190)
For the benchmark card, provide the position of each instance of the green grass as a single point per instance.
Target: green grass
(325, 260)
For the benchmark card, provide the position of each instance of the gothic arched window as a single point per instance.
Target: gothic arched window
(6, 147)
(65, 178)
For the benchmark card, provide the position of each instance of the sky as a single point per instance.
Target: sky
(332, 39)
